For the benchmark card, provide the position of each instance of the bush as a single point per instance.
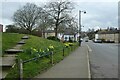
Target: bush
(53, 38)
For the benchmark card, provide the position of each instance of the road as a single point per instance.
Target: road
(103, 59)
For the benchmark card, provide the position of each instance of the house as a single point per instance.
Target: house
(1, 28)
(112, 35)
(49, 33)
(69, 34)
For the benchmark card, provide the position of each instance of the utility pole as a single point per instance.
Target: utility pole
(80, 26)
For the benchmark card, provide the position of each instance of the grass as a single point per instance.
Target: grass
(9, 40)
(33, 68)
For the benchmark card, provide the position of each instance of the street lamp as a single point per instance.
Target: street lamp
(80, 26)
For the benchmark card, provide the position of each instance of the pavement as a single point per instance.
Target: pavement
(73, 66)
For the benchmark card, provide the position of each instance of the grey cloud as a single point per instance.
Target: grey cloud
(101, 14)
(8, 9)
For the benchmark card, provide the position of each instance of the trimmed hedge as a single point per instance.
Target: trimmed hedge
(53, 38)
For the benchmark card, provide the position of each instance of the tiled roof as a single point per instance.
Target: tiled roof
(69, 31)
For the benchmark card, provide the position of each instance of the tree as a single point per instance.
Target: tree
(59, 11)
(91, 34)
(12, 28)
(44, 22)
(27, 16)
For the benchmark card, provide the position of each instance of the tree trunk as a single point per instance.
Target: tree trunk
(56, 31)
(43, 34)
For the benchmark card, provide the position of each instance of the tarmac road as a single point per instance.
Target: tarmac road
(103, 59)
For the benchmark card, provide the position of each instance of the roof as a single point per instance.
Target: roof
(108, 32)
(69, 31)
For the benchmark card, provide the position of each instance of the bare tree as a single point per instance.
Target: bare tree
(27, 16)
(44, 22)
(59, 11)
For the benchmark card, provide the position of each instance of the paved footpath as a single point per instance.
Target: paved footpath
(73, 66)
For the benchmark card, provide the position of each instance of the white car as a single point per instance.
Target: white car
(98, 41)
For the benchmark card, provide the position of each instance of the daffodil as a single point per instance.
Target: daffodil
(47, 49)
(66, 45)
(51, 47)
(35, 50)
(40, 50)
(70, 44)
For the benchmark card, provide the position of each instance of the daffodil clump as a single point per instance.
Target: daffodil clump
(51, 48)
(35, 52)
(38, 52)
(68, 44)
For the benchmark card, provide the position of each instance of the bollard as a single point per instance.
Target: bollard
(21, 69)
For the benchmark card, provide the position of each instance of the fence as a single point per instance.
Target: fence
(21, 62)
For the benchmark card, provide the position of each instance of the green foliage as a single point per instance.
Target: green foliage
(53, 38)
(12, 28)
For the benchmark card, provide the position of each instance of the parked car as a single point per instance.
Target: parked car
(98, 41)
(109, 41)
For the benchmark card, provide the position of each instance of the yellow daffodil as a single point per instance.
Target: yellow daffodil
(66, 45)
(35, 50)
(40, 50)
(47, 49)
(51, 47)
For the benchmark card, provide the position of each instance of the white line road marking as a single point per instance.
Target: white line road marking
(89, 73)
(89, 49)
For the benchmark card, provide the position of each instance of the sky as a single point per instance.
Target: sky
(100, 14)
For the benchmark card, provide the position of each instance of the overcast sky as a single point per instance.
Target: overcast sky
(100, 14)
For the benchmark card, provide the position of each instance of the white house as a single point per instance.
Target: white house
(69, 34)
(112, 35)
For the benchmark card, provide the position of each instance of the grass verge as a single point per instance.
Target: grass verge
(9, 40)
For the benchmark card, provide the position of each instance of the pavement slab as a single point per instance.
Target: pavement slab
(25, 37)
(13, 51)
(18, 46)
(21, 42)
(7, 61)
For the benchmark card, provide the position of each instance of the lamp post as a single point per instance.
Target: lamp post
(80, 26)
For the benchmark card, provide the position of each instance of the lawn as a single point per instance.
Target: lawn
(33, 68)
(9, 40)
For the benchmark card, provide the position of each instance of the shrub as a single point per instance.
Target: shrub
(53, 38)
